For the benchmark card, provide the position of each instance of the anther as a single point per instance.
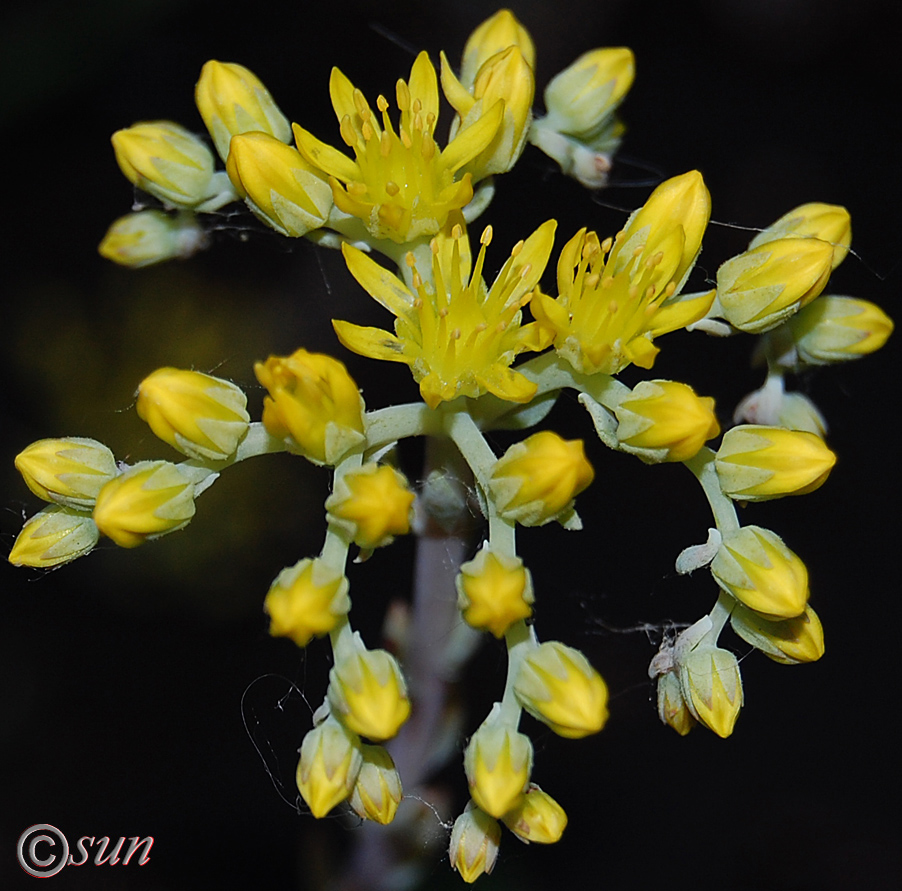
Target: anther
(392, 188)
(367, 130)
(382, 103)
(486, 237)
(405, 139)
(357, 189)
(517, 248)
(457, 231)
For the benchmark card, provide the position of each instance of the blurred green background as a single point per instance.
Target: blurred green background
(126, 678)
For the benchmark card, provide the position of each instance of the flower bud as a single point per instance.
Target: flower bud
(278, 185)
(151, 236)
(536, 480)
(474, 843)
(772, 407)
(761, 288)
(759, 570)
(372, 503)
(53, 536)
(232, 100)
(538, 818)
(672, 707)
(200, 416)
(557, 685)
(828, 222)
(665, 421)
(790, 641)
(712, 688)
(148, 500)
(367, 692)
(314, 402)
(836, 329)
(377, 792)
(758, 463)
(495, 34)
(493, 591)
(306, 600)
(69, 471)
(498, 763)
(331, 758)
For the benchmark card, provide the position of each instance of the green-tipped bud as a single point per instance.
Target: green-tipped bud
(672, 707)
(828, 222)
(538, 818)
(69, 471)
(331, 758)
(474, 843)
(712, 687)
(837, 329)
(151, 236)
(377, 792)
(54, 536)
(790, 641)
(493, 591)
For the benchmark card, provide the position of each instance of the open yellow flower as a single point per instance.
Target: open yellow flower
(458, 337)
(401, 185)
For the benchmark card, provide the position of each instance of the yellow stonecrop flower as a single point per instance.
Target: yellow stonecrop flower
(494, 35)
(458, 337)
(712, 688)
(498, 764)
(475, 838)
(372, 503)
(537, 818)
(306, 600)
(331, 759)
(201, 416)
(828, 222)
(616, 296)
(53, 536)
(400, 185)
(377, 792)
(789, 641)
(494, 591)
(756, 463)
(837, 329)
(665, 421)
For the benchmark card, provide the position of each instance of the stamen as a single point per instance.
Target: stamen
(405, 139)
(409, 259)
(457, 231)
(367, 130)
(348, 134)
(613, 306)
(433, 246)
(392, 188)
(360, 104)
(486, 237)
(517, 248)
(357, 189)
(382, 103)
(417, 106)
(402, 95)
(385, 145)
(670, 290)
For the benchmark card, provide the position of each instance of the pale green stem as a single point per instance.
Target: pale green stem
(702, 465)
(521, 640)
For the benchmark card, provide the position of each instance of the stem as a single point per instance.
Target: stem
(702, 465)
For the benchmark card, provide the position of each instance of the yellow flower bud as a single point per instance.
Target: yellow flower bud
(372, 503)
(53, 536)
(761, 288)
(790, 641)
(151, 236)
(232, 100)
(496, 33)
(474, 843)
(538, 818)
(279, 186)
(69, 471)
(759, 570)
(331, 758)
(712, 688)
(828, 222)
(758, 463)
(665, 421)
(377, 792)
(672, 707)
(201, 416)
(498, 763)
(314, 402)
(557, 685)
(306, 600)
(367, 692)
(836, 329)
(148, 500)
(494, 591)
(536, 480)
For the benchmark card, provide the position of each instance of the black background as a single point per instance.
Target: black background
(125, 677)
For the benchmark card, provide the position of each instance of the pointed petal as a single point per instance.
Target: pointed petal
(324, 156)
(470, 142)
(341, 92)
(505, 383)
(456, 93)
(678, 312)
(384, 287)
(372, 342)
(424, 84)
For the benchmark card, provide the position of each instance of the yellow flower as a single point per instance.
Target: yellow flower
(494, 591)
(712, 688)
(69, 471)
(401, 185)
(495, 34)
(537, 818)
(790, 641)
(151, 236)
(55, 535)
(458, 337)
(836, 329)
(828, 222)
(474, 843)
(377, 792)
(616, 296)
(331, 758)
(498, 763)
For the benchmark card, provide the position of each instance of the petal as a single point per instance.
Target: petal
(323, 156)
(505, 383)
(384, 287)
(372, 342)
(456, 93)
(341, 92)
(678, 312)
(424, 85)
(468, 143)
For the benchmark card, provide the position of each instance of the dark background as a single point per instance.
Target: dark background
(126, 677)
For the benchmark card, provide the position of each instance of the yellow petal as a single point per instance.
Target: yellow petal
(372, 342)
(324, 156)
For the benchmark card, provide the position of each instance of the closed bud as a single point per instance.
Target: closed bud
(201, 416)
(372, 503)
(377, 792)
(557, 685)
(53, 536)
(672, 707)
(836, 329)
(665, 421)
(761, 288)
(494, 590)
(306, 600)
(790, 641)
(828, 222)
(331, 758)
(367, 692)
(536, 480)
(232, 100)
(148, 500)
(474, 843)
(759, 570)
(69, 471)
(151, 236)
(777, 408)
(278, 185)
(759, 463)
(498, 764)
(314, 402)
(538, 818)
(712, 688)
(495, 34)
